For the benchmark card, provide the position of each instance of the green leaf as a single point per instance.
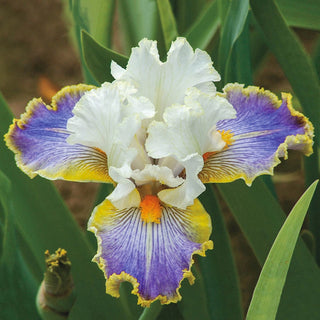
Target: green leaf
(260, 218)
(232, 26)
(301, 14)
(170, 311)
(186, 12)
(96, 17)
(240, 58)
(82, 16)
(311, 168)
(203, 29)
(292, 58)
(138, 19)
(218, 267)
(168, 22)
(45, 223)
(309, 240)
(17, 285)
(6, 220)
(259, 49)
(194, 301)
(316, 56)
(98, 58)
(267, 293)
(152, 312)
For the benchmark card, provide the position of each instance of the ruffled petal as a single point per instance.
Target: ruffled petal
(184, 195)
(108, 118)
(39, 141)
(265, 128)
(150, 173)
(166, 83)
(154, 257)
(187, 132)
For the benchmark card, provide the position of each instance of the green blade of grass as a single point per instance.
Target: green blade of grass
(267, 293)
(240, 59)
(17, 285)
(260, 218)
(232, 25)
(302, 14)
(311, 165)
(81, 15)
(186, 12)
(152, 312)
(138, 19)
(96, 17)
(170, 311)
(98, 58)
(194, 302)
(316, 56)
(168, 22)
(218, 267)
(203, 29)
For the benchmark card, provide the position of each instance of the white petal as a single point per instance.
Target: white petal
(96, 118)
(108, 118)
(166, 83)
(120, 192)
(116, 70)
(188, 131)
(172, 163)
(155, 173)
(142, 157)
(108, 115)
(184, 195)
(189, 128)
(131, 200)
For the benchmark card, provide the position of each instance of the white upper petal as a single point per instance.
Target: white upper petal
(187, 132)
(189, 128)
(108, 118)
(166, 83)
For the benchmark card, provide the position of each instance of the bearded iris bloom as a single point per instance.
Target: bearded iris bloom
(158, 133)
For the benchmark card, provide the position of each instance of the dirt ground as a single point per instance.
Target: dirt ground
(36, 55)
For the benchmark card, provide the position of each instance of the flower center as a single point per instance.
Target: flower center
(150, 209)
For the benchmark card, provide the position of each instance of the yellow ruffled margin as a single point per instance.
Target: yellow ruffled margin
(25, 117)
(113, 281)
(304, 139)
(30, 109)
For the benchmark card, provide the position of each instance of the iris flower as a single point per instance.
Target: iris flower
(158, 133)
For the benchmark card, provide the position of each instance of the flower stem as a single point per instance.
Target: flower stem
(152, 312)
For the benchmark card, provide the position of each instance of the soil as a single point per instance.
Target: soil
(37, 57)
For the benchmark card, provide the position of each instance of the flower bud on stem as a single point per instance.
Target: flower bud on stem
(56, 294)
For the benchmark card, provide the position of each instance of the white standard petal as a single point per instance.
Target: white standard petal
(190, 128)
(188, 132)
(150, 173)
(108, 115)
(166, 83)
(108, 118)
